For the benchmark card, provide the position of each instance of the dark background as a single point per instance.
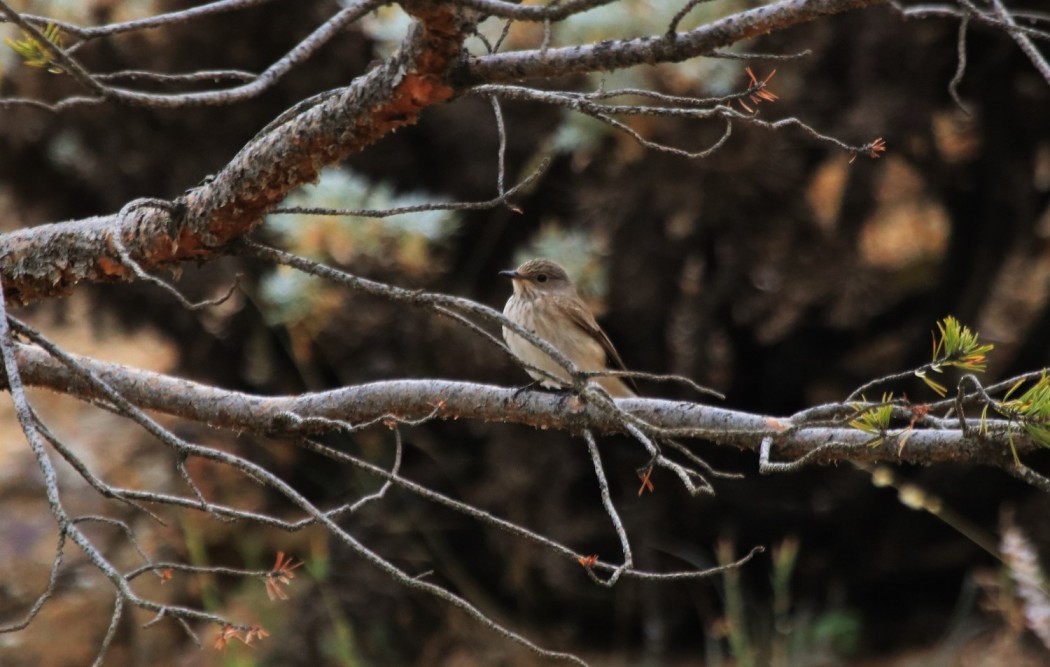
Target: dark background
(774, 271)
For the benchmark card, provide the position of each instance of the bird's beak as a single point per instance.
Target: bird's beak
(510, 274)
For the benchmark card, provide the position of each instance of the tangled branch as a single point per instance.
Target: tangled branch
(213, 220)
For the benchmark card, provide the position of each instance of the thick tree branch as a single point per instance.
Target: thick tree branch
(617, 54)
(197, 227)
(49, 260)
(431, 66)
(417, 399)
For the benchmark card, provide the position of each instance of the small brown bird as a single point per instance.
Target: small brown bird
(545, 302)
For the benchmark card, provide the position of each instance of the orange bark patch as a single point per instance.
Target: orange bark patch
(108, 267)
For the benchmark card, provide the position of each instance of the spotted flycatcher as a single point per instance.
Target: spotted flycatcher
(546, 303)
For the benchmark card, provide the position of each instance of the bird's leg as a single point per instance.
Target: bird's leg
(564, 391)
(528, 387)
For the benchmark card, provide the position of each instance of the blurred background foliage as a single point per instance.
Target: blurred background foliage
(774, 271)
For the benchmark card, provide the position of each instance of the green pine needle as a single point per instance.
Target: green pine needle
(35, 54)
(957, 346)
(1034, 406)
(874, 420)
(1031, 409)
(937, 387)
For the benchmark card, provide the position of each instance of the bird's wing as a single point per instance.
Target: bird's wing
(582, 317)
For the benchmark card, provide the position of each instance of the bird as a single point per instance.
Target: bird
(546, 303)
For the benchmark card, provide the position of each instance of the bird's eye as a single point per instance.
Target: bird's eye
(542, 278)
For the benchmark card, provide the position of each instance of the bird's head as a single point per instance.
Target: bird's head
(538, 277)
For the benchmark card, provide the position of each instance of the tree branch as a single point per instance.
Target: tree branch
(49, 260)
(415, 399)
(617, 54)
(94, 32)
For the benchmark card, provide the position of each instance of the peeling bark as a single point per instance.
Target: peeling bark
(428, 69)
(50, 260)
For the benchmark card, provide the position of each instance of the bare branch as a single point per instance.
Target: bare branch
(123, 526)
(417, 298)
(88, 33)
(301, 52)
(411, 399)
(618, 54)
(203, 76)
(194, 569)
(960, 70)
(66, 525)
(128, 261)
(766, 466)
(52, 581)
(967, 8)
(502, 35)
(431, 66)
(111, 631)
(761, 57)
(610, 509)
(85, 473)
(1030, 476)
(556, 11)
(198, 226)
(502, 199)
(326, 129)
(672, 29)
(1023, 40)
(586, 104)
(101, 386)
(59, 55)
(501, 166)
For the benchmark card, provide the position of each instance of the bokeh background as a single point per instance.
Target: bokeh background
(774, 271)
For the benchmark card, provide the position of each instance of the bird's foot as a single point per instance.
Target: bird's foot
(528, 387)
(538, 384)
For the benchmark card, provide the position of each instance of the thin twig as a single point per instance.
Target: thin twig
(766, 467)
(128, 261)
(252, 471)
(52, 582)
(111, 631)
(771, 57)
(183, 16)
(589, 105)
(610, 509)
(501, 159)
(124, 527)
(261, 83)
(85, 473)
(502, 35)
(1023, 40)
(672, 29)
(203, 76)
(688, 453)
(555, 11)
(503, 199)
(1026, 474)
(960, 70)
(412, 297)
